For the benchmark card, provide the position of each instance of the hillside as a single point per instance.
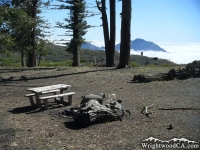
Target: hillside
(61, 57)
(88, 56)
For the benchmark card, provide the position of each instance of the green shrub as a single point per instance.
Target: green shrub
(68, 63)
(47, 63)
(165, 65)
(10, 62)
(134, 64)
(102, 64)
(151, 65)
(83, 60)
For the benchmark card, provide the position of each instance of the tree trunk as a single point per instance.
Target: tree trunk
(76, 56)
(76, 45)
(106, 33)
(112, 32)
(39, 59)
(102, 8)
(31, 62)
(125, 34)
(22, 59)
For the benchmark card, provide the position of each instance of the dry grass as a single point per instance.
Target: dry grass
(23, 127)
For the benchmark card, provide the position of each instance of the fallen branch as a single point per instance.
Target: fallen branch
(180, 108)
(145, 110)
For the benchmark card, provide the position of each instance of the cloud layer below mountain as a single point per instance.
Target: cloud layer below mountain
(179, 53)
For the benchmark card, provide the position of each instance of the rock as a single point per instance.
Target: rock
(69, 111)
(172, 73)
(170, 127)
(119, 101)
(14, 144)
(140, 78)
(94, 112)
(99, 97)
(30, 130)
(193, 67)
(61, 105)
(51, 134)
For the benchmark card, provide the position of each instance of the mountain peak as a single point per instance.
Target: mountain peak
(138, 39)
(91, 46)
(137, 44)
(142, 45)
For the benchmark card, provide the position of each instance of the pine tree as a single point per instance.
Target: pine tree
(13, 23)
(30, 7)
(30, 37)
(77, 27)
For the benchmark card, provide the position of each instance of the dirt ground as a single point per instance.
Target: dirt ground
(23, 127)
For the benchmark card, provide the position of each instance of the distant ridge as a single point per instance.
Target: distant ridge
(91, 47)
(140, 44)
(137, 45)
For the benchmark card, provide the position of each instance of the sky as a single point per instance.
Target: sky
(172, 24)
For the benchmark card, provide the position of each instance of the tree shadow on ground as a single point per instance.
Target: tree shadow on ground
(32, 110)
(25, 109)
(74, 126)
(17, 85)
(9, 70)
(24, 78)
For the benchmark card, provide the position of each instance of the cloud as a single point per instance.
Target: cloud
(98, 43)
(59, 42)
(179, 53)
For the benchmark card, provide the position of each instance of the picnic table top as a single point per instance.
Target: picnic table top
(48, 88)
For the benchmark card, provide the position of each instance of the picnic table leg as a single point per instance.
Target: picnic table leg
(61, 98)
(45, 104)
(37, 100)
(55, 100)
(70, 99)
(31, 101)
(62, 101)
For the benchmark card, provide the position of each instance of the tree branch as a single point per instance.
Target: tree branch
(98, 5)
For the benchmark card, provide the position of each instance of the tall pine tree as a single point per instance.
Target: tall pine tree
(76, 25)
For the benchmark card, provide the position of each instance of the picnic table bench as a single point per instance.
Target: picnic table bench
(58, 98)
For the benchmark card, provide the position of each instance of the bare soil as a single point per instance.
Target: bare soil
(23, 127)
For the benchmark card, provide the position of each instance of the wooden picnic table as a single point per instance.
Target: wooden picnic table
(39, 91)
